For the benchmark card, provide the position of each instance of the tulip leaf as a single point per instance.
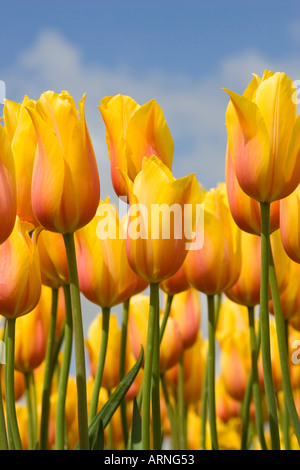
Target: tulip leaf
(105, 414)
(136, 430)
(98, 443)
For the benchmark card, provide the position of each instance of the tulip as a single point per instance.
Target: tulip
(263, 137)
(65, 183)
(186, 311)
(22, 135)
(8, 191)
(246, 290)
(245, 210)
(53, 259)
(215, 266)
(132, 133)
(65, 195)
(289, 227)
(105, 276)
(176, 283)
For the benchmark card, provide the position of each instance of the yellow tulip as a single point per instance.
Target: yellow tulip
(65, 183)
(8, 190)
(132, 133)
(22, 135)
(264, 137)
(157, 242)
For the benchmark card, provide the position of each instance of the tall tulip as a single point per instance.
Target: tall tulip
(22, 135)
(264, 143)
(157, 245)
(8, 190)
(132, 133)
(65, 194)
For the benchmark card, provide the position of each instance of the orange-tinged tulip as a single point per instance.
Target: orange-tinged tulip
(246, 290)
(186, 311)
(232, 317)
(105, 276)
(8, 190)
(110, 377)
(171, 344)
(132, 133)
(53, 259)
(235, 363)
(20, 286)
(65, 183)
(289, 224)
(194, 364)
(19, 384)
(226, 406)
(22, 135)
(215, 266)
(177, 283)
(244, 209)
(161, 224)
(32, 332)
(290, 293)
(264, 137)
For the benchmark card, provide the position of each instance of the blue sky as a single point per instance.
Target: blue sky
(182, 53)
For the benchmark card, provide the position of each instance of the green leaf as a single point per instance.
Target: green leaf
(136, 429)
(112, 404)
(98, 444)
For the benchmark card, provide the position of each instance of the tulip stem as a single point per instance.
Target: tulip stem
(122, 370)
(31, 409)
(64, 372)
(14, 435)
(156, 418)
(182, 408)
(211, 371)
(147, 378)
(265, 327)
(165, 315)
(78, 342)
(44, 425)
(253, 379)
(3, 432)
(282, 347)
(100, 363)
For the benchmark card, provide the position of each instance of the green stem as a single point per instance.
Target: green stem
(156, 418)
(3, 432)
(265, 327)
(64, 373)
(100, 363)
(204, 409)
(14, 434)
(31, 409)
(283, 355)
(255, 346)
(122, 370)
(171, 415)
(146, 394)
(165, 315)
(211, 372)
(182, 409)
(78, 342)
(44, 425)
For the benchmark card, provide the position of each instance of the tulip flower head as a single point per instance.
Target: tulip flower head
(132, 133)
(8, 190)
(264, 137)
(65, 184)
(162, 220)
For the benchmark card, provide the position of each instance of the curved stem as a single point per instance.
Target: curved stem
(255, 346)
(282, 346)
(211, 371)
(14, 437)
(204, 410)
(165, 315)
(100, 363)
(78, 342)
(265, 327)
(146, 393)
(31, 409)
(122, 368)
(44, 425)
(64, 373)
